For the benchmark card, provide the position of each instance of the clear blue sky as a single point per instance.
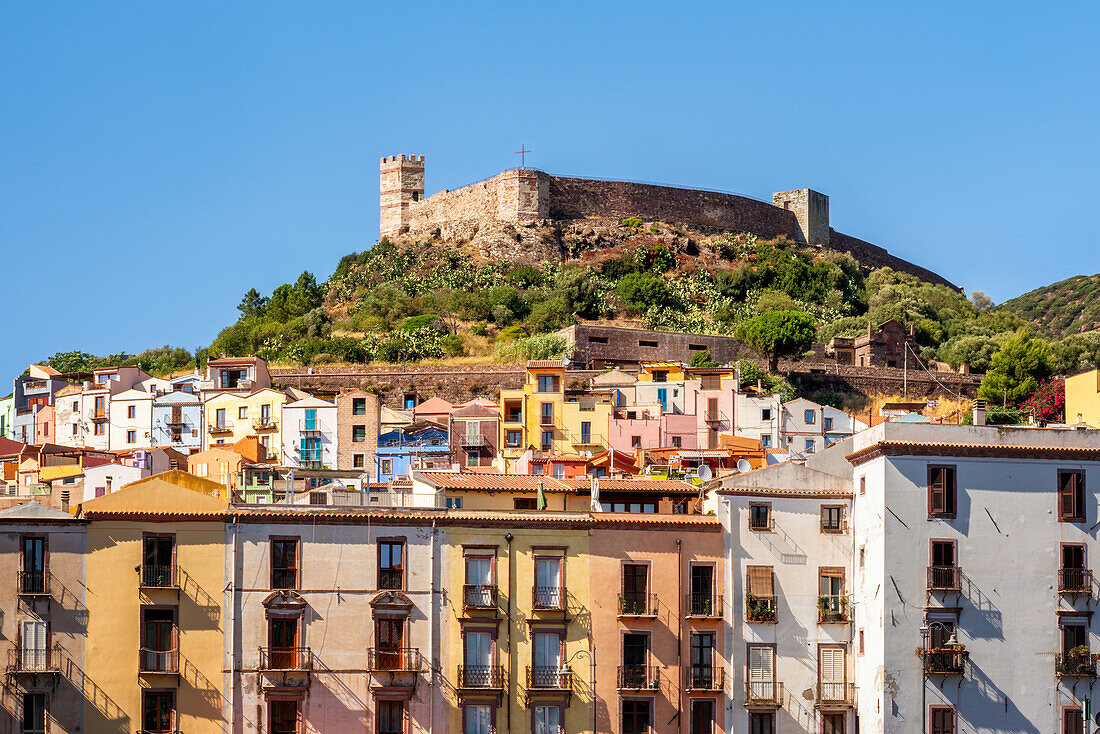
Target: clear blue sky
(159, 159)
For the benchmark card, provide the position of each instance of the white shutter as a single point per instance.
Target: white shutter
(546, 650)
(34, 644)
(761, 663)
(832, 664)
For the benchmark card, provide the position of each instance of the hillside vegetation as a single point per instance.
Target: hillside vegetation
(1069, 306)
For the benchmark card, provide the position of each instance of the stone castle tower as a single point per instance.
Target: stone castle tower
(401, 183)
(811, 210)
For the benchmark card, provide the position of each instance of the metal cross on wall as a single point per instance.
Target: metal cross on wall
(522, 153)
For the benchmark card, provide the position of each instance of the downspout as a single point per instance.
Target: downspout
(232, 626)
(431, 627)
(508, 630)
(679, 632)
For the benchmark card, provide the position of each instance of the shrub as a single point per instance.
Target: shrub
(541, 346)
(639, 291)
(511, 333)
(479, 329)
(453, 345)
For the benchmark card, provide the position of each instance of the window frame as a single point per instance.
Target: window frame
(297, 540)
(839, 529)
(296, 700)
(931, 718)
(379, 701)
(402, 568)
(1080, 511)
(770, 526)
(949, 507)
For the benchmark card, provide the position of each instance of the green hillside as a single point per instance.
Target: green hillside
(1069, 306)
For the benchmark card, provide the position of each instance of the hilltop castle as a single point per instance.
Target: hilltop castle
(527, 212)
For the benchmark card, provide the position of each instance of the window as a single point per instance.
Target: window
(158, 559)
(810, 445)
(941, 491)
(636, 716)
(232, 378)
(284, 563)
(762, 722)
(660, 376)
(391, 564)
(831, 519)
(547, 441)
(546, 414)
(702, 716)
(387, 466)
(409, 402)
(358, 406)
(702, 660)
(219, 417)
(761, 673)
(1071, 496)
(358, 461)
(635, 442)
(478, 720)
(650, 343)
(284, 716)
(34, 713)
(242, 412)
(941, 720)
(549, 590)
(635, 661)
(634, 598)
(597, 340)
(765, 440)
(358, 434)
(702, 591)
(453, 503)
(832, 723)
(158, 711)
(158, 641)
(131, 411)
(643, 507)
(472, 458)
(523, 503)
(1075, 636)
(677, 442)
(832, 605)
(547, 720)
(75, 428)
(559, 471)
(765, 414)
(98, 429)
(547, 383)
(391, 717)
(810, 416)
(861, 642)
(828, 423)
(481, 588)
(513, 439)
(33, 578)
(863, 485)
(33, 647)
(679, 507)
(1073, 575)
(760, 517)
(131, 436)
(586, 432)
(1072, 723)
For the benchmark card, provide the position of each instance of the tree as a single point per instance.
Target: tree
(639, 291)
(1017, 368)
(981, 301)
(778, 334)
(253, 304)
(1048, 402)
(702, 359)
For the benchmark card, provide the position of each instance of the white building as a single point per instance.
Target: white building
(757, 414)
(103, 479)
(964, 562)
(309, 434)
(803, 423)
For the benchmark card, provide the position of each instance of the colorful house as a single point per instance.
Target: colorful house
(156, 625)
(533, 413)
(357, 429)
(309, 434)
(419, 445)
(237, 375)
(231, 416)
(1083, 398)
(177, 418)
(475, 434)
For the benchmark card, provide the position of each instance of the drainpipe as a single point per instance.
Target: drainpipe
(232, 628)
(508, 630)
(679, 632)
(431, 627)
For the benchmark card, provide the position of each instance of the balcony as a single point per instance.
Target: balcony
(946, 660)
(704, 678)
(158, 577)
(33, 583)
(548, 597)
(1075, 581)
(579, 440)
(760, 609)
(514, 418)
(219, 427)
(286, 659)
(158, 661)
(98, 414)
(832, 609)
(637, 604)
(265, 423)
(638, 678)
(479, 596)
(34, 662)
(549, 678)
(703, 605)
(836, 695)
(394, 660)
(391, 578)
(546, 421)
(763, 694)
(1077, 663)
(944, 578)
(35, 386)
(714, 416)
(481, 677)
(473, 442)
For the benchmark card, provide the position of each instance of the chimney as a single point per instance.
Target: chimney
(64, 500)
(109, 484)
(979, 412)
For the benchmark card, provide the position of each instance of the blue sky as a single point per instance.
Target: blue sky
(159, 159)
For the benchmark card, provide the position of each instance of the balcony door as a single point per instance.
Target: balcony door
(479, 720)
(283, 640)
(547, 659)
(479, 659)
(702, 590)
(284, 716)
(34, 565)
(761, 672)
(831, 669)
(33, 644)
(702, 660)
(158, 640)
(548, 720)
(219, 417)
(635, 659)
(636, 716)
(479, 580)
(390, 634)
(158, 714)
(548, 583)
(157, 559)
(635, 578)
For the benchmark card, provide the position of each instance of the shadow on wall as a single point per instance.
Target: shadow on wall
(985, 707)
(209, 609)
(105, 716)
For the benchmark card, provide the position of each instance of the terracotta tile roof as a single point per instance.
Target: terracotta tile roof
(490, 482)
(542, 364)
(634, 485)
(1002, 451)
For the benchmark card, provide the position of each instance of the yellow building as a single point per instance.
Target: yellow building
(155, 571)
(229, 417)
(517, 656)
(1083, 398)
(661, 372)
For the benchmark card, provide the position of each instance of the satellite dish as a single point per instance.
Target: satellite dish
(743, 465)
(705, 473)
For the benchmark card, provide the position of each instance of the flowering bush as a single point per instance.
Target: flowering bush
(1048, 401)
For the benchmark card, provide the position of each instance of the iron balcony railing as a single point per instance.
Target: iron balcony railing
(481, 676)
(548, 597)
(943, 578)
(714, 416)
(286, 658)
(100, 414)
(34, 660)
(284, 578)
(637, 604)
(699, 677)
(471, 442)
(33, 583)
(763, 693)
(703, 605)
(760, 608)
(158, 661)
(546, 420)
(479, 596)
(836, 695)
(405, 658)
(549, 677)
(169, 730)
(158, 577)
(268, 423)
(1075, 664)
(391, 578)
(1074, 581)
(215, 427)
(947, 660)
(638, 677)
(587, 439)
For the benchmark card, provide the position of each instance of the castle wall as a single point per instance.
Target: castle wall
(874, 256)
(577, 198)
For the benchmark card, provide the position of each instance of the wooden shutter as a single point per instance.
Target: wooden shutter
(831, 664)
(943, 721)
(1072, 722)
(936, 490)
(761, 663)
(760, 581)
